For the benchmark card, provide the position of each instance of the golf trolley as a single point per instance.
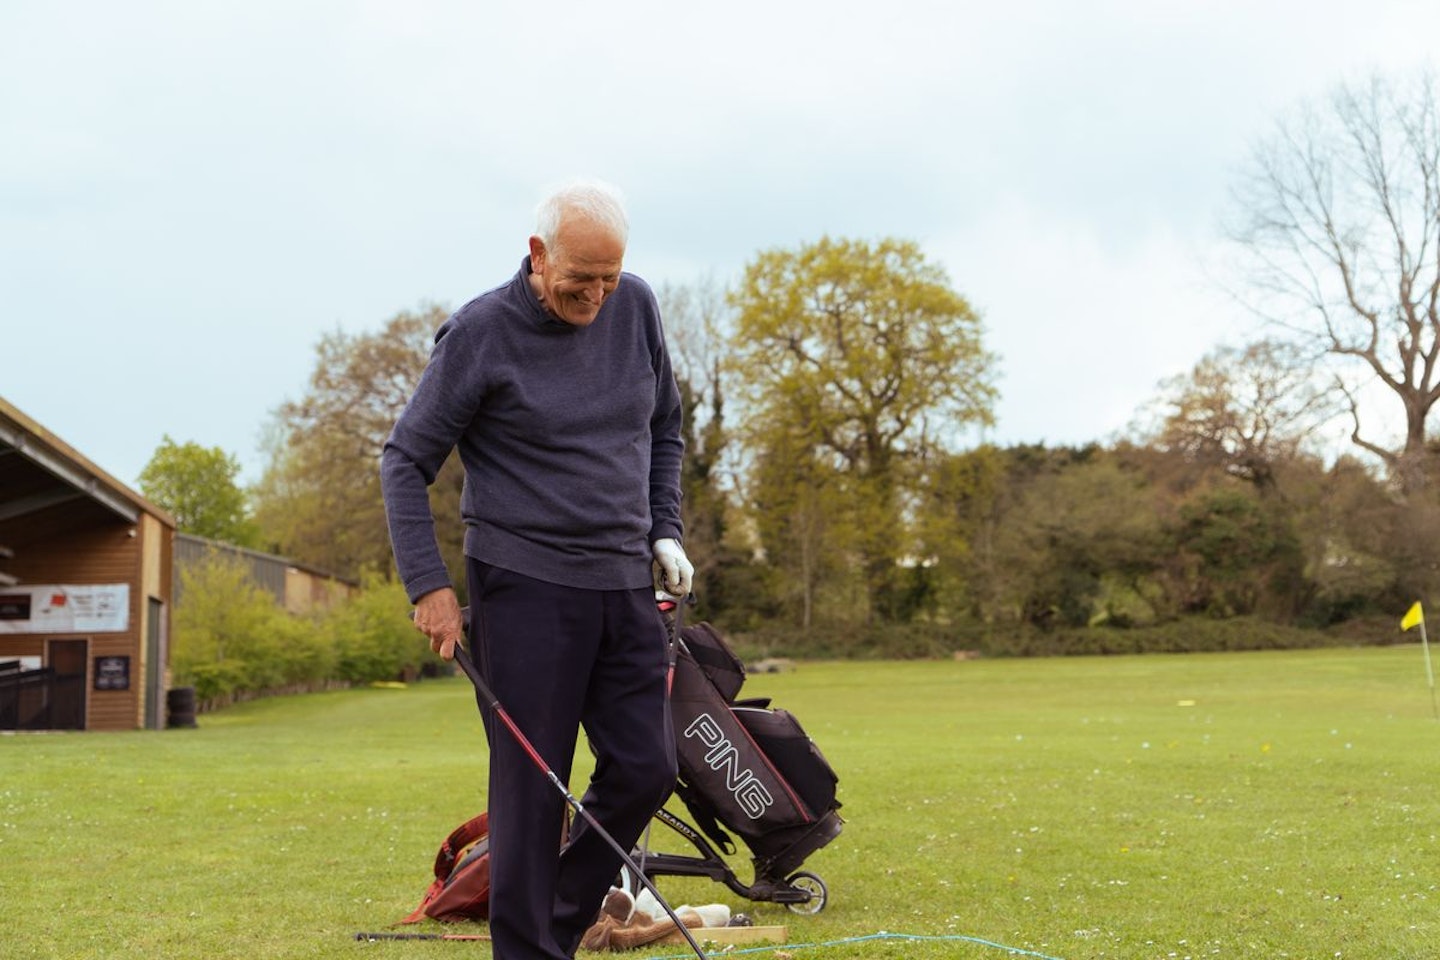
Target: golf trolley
(744, 768)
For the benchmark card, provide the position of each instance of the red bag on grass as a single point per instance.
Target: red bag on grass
(461, 889)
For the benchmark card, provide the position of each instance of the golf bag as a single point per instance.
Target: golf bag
(461, 889)
(747, 769)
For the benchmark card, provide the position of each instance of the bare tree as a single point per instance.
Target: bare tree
(695, 318)
(1340, 233)
(1243, 410)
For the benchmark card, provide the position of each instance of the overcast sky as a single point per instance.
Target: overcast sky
(193, 193)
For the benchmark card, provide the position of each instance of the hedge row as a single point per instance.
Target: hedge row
(928, 640)
(233, 642)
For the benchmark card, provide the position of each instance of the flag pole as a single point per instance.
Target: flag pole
(1429, 673)
(1415, 617)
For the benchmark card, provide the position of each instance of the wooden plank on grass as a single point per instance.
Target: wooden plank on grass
(724, 935)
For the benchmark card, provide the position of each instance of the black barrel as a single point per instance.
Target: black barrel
(180, 704)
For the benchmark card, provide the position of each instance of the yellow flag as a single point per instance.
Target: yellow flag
(1413, 618)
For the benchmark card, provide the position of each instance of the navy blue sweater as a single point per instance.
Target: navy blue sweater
(570, 439)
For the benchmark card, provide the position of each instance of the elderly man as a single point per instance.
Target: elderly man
(556, 388)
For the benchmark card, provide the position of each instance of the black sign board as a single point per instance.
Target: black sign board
(112, 673)
(15, 606)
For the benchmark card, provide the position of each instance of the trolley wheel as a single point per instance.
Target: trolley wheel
(811, 884)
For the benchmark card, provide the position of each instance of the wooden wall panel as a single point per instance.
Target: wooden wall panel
(101, 554)
(16, 645)
(107, 553)
(116, 709)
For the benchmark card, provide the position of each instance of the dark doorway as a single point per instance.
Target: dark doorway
(67, 705)
(154, 663)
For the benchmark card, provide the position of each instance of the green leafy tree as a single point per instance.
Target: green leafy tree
(1348, 524)
(965, 495)
(1242, 557)
(1080, 540)
(198, 486)
(800, 510)
(865, 353)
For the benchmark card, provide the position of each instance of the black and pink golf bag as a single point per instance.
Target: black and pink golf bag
(745, 769)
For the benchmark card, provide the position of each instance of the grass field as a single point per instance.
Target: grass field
(1217, 805)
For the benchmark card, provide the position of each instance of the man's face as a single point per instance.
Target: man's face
(578, 271)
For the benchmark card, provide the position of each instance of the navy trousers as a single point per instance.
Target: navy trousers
(559, 659)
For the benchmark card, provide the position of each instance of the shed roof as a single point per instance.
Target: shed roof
(48, 489)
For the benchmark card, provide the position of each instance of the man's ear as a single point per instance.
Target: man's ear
(537, 255)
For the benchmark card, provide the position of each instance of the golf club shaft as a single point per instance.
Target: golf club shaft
(420, 936)
(462, 656)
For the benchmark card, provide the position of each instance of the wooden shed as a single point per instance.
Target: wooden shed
(296, 587)
(85, 590)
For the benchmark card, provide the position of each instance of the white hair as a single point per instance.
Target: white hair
(593, 200)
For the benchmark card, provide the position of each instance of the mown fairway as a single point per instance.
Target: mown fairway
(1218, 805)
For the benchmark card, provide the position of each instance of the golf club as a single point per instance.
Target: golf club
(462, 657)
(372, 937)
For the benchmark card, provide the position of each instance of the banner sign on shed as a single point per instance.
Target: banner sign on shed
(65, 608)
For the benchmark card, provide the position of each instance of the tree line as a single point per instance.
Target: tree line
(835, 499)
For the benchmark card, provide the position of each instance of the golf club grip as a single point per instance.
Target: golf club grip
(462, 657)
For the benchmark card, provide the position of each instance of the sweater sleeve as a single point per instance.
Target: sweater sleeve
(443, 404)
(667, 449)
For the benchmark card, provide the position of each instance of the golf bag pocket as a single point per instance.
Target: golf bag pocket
(715, 659)
(794, 755)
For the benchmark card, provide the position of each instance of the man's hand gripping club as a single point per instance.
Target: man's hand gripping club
(676, 570)
(437, 615)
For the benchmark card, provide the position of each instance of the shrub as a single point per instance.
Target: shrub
(372, 635)
(233, 642)
(229, 634)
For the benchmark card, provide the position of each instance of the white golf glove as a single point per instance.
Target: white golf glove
(676, 570)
